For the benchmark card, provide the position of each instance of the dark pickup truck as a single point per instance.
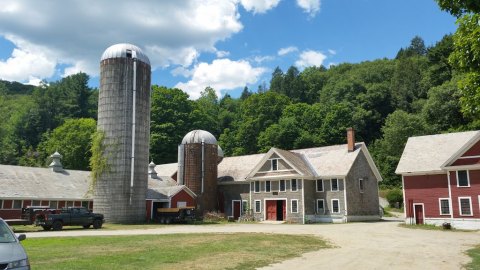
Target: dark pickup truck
(71, 216)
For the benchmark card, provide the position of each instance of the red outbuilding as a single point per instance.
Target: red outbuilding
(441, 179)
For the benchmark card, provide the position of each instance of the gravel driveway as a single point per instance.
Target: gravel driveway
(376, 245)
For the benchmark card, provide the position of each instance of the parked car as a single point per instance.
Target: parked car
(71, 216)
(12, 253)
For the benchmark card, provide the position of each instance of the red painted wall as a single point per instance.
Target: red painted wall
(148, 211)
(473, 151)
(473, 191)
(466, 161)
(182, 196)
(426, 189)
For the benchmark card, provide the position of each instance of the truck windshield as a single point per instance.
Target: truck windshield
(6, 235)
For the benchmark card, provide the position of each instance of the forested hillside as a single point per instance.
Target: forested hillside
(385, 100)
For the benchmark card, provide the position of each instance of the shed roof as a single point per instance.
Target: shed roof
(430, 153)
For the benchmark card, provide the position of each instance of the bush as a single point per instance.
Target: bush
(395, 198)
(214, 217)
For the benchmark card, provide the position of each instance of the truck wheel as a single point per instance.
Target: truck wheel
(57, 225)
(86, 226)
(97, 224)
(162, 220)
(168, 220)
(46, 227)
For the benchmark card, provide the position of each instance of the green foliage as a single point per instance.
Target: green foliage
(459, 7)
(99, 159)
(395, 196)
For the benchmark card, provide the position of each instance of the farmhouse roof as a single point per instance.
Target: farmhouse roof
(429, 154)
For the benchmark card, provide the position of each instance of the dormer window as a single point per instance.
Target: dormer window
(274, 164)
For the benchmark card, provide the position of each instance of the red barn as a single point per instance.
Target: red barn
(441, 179)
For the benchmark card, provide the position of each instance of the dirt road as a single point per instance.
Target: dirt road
(378, 245)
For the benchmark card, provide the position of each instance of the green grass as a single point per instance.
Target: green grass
(176, 251)
(430, 227)
(474, 253)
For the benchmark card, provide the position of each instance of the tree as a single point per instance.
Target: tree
(416, 48)
(245, 93)
(205, 112)
(439, 68)
(72, 140)
(459, 7)
(276, 83)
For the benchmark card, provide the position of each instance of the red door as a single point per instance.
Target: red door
(236, 209)
(271, 210)
(418, 214)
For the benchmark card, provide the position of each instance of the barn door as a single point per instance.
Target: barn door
(236, 209)
(271, 210)
(418, 208)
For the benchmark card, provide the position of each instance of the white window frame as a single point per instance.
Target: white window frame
(284, 185)
(361, 185)
(13, 204)
(331, 185)
(338, 202)
(276, 164)
(440, 206)
(269, 188)
(296, 185)
(318, 210)
(259, 206)
(468, 179)
(460, 206)
(316, 185)
(255, 187)
(291, 205)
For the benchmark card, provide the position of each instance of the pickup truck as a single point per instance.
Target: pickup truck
(175, 215)
(71, 216)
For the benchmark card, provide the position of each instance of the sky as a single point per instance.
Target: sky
(224, 44)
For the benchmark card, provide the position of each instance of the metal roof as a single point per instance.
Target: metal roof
(199, 136)
(120, 51)
(430, 153)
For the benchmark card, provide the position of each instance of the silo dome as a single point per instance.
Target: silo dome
(197, 136)
(121, 50)
(220, 154)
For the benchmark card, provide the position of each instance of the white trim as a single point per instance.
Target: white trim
(361, 187)
(415, 213)
(291, 205)
(440, 206)
(370, 161)
(241, 206)
(450, 194)
(255, 206)
(345, 199)
(460, 206)
(317, 209)
(316, 185)
(462, 150)
(331, 211)
(404, 198)
(296, 185)
(421, 173)
(303, 201)
(265, 186)
(468, 179)
(331, 185)
(467, 157)
(250, 196)
(284, 185)
(271, 164)
(464, 167)
(267, 157)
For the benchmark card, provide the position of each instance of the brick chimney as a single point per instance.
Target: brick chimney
(351, 139)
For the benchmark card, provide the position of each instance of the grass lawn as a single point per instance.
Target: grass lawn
(106, 226)
(175, 251)
(474, 253)
(432, 228)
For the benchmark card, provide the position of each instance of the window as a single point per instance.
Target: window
(294, 206)
(360, 184)
(462, 179)
(53, 204)
(334, 184)
(444, 206)
(69, 204)
(282, 185)
(85, 204)
(1, 204)
(17, 204)
(257, 186)
(274, 164)
(258, 206)
(319, 185)
(320, 206)
(465, 205)
(335, 206)
(244, 206)
(35, 203)
(294, 184)
(181, 204)
(268, 186)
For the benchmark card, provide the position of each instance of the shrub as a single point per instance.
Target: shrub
(395, 198)
(214, 217)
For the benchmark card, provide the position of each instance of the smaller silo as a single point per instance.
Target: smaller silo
(197, 168)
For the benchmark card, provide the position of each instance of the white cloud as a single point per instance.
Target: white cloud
(259, 6)
(332, 52)
(182, 71)
(312, 7)
(287, 50)
(310, 58)
(221, 75)
(222, 54)
(75, 33)
(261, 59)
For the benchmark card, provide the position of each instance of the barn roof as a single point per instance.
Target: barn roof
(429, 154)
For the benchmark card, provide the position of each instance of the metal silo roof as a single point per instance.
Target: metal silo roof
(120, 51)
(197, 136)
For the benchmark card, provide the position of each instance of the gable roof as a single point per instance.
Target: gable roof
(163, 188)
(430, 154)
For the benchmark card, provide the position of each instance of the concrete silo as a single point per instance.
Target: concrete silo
(197, 168)
(124, 117)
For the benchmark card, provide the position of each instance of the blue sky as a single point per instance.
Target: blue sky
(225, 44)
